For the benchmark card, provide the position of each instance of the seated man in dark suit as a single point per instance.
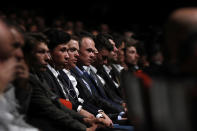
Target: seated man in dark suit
(56, 78)
(46, 110)
(86, 85)
(86, 51)
(73, 49)
(108, 71)
(104, 63)
(104, 47)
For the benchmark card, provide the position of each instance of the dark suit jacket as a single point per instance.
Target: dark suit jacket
(116, 93)
(116, 74)
(93, 98)
(54, 85)
(86, 105)
(110, 93)
(47, 113)
(104, 91)
(23, 95)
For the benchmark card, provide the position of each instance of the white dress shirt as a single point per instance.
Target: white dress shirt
(73, 80)
(74, 83)
(118, 67)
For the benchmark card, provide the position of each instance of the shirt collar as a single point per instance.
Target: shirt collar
(93, 69)
(55, 73)
(107, 68)
(118, 67)
(87, 68)
(66, 71)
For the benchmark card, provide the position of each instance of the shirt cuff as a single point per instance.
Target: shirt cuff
(79, 108)
(80, 100)
(120, 115)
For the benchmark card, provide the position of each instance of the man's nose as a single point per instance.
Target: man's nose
(18, 54)
(92, 55)
(66, 55)
(76, 54)
(115, 49)
(47, 57)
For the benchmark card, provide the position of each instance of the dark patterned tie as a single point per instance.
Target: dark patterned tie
(70, 88)
(98, 83)
(90, 82)
(114, 77)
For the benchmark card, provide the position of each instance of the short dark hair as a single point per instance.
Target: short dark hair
(108, 36)
(118, 39)
(127, 45)
(56, 37)
(74, 37)
(101, 42)
(32, 40)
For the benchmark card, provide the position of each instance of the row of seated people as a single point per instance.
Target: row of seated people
(71, 83)
(58, 82)
(65, 82)
(84, 72)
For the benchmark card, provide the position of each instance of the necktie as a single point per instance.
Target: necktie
(70, 88)
(98, 83)
(90, 83)
(64, 88)
(114, 76)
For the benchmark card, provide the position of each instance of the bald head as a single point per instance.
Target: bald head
(182, 22)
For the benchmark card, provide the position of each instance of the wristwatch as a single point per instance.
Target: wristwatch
(99, 115)
(99, 111)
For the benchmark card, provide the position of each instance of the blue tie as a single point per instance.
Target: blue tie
(94, 81)
(99, 84)
(88, 77)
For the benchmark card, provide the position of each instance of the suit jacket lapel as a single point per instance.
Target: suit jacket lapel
(43, 85)
(53, 83)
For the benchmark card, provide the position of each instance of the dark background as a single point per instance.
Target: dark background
(118, 14)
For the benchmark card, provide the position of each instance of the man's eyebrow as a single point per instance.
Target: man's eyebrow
(90, 50)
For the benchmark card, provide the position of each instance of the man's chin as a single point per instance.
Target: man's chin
(87, 64)
(73, 64)
(21, 75)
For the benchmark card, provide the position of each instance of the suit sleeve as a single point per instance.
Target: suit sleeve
(46, 107)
